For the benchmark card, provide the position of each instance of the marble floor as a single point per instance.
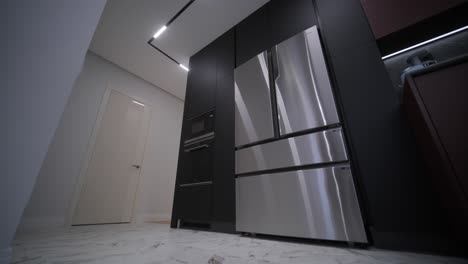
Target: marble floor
(157, 243)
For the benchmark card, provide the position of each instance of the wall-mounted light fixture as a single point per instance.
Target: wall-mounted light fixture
(425, 42)
(163, 28)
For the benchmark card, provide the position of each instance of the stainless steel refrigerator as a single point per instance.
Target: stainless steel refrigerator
(293, 175)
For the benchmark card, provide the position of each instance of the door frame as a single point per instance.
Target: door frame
(80, 182)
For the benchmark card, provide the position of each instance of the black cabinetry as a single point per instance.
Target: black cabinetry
(198, 162)
(197, 205)
(290, 17)
(204, 195)
(271, 24)
(435, 103)
(201, 82)
(223, 183)
(225, 46)
(253, 35)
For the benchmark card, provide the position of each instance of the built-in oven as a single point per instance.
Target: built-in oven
(199, 127)
(198, 162)
(198, 150)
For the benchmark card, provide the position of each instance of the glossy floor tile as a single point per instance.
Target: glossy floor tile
(157, 243)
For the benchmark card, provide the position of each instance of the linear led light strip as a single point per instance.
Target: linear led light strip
(425, 42)
(138, 103)
(160, 31)
(163, 28)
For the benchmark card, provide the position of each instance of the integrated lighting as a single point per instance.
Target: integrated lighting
(183, 67)
(160, 31)
(138, 103)
(425, 42)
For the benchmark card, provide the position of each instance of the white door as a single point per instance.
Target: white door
(111, 178)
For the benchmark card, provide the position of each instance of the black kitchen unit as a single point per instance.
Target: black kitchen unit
(204, 195)
(198, 150)
(396, 202)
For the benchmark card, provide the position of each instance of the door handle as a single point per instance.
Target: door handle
(136, 166)
(197, 148)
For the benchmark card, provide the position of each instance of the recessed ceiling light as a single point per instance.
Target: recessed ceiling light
(160, 31)
(138, 103)
(183, 67)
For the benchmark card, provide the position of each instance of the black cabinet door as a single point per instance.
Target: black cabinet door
(225, 56)
(274, 22)
(196, 203)
(201, 82)
(198, 162)
(290, 17)
(223, 178)
(253, 35)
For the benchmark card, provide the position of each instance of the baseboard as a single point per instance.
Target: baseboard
(5, 255)
(34, 224)
(151, 218)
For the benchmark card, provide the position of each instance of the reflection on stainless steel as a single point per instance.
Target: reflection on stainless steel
(253, 115)
(275, 204)
(313, 203)
(325, 146)
(303, 91)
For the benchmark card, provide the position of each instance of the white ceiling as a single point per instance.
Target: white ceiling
(126, 26)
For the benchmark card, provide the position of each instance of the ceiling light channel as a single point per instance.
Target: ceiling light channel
(160, 31)
(138, 103)
(163, 28)
(183, 67)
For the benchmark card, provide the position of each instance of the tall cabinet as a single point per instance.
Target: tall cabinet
(435, 103)
(204, 194)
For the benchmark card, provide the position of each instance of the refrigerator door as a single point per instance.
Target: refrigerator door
(253, 115)
(303, 90)
(320, 147)
(317, 203)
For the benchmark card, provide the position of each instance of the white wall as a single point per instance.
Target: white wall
(43, 45)
(53, 192)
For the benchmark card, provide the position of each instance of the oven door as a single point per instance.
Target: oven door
(198, 162)
(200, 127)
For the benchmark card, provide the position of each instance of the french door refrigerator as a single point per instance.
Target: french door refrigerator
(293, 176)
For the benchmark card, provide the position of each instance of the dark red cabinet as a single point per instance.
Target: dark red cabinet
(436, 102)
(389, 16)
